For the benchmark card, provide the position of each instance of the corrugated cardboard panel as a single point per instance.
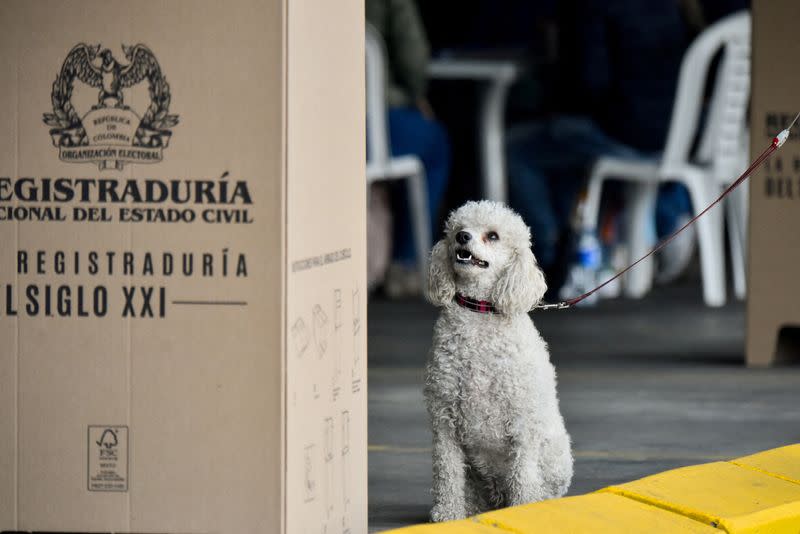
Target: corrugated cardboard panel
(775, 191)
(8, 239)
(196, 393)
(146, 398)
(71, 370)
(216, 421)
(326, 294)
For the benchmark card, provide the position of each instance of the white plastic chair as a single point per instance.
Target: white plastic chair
(721, 156)
(381, 165)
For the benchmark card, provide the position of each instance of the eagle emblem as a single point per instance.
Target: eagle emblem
(111, 133)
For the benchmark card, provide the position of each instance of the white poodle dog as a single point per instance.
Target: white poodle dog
(498, 435)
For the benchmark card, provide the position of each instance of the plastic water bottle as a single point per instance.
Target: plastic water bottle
(582, 276)
(615, 257)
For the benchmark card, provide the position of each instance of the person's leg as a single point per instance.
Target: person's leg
(547, 164)
(672, 209)
(529, 169)
(410, 133)
(588, 140)
(584, 142)
(673, 204)
(673, 199)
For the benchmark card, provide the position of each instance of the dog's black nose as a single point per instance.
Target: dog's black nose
(463, 237)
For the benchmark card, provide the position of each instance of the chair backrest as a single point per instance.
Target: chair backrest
(378, 152)
(724, 135)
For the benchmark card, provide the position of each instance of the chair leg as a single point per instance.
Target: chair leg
(736, 243)
(418, 205)
(492, 143)
(641, 199)
(591, 206)
(710, 240)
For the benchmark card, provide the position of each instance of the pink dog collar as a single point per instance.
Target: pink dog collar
(480, 306)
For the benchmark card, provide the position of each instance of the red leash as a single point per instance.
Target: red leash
(777, 142)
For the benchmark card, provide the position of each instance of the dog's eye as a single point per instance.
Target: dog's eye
(492, 236)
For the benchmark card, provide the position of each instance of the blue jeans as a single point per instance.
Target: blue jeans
(547, 167)
(410, 133)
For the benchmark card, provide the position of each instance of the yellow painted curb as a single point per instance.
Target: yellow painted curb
(782, 463)
(757, 494)
(464, 526)
(595, 512)
(723, 495)
(592, 513)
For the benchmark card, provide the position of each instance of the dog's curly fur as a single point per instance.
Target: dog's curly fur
(499, 438)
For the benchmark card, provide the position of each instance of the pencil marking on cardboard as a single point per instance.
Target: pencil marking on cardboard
(329, 467)
(300, 337)
(320, 330)
(309, 482)
(337, 343)
(346, 511)
(356, 384)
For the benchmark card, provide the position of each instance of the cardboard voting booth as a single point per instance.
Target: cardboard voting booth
(182, 269)
(773, 309)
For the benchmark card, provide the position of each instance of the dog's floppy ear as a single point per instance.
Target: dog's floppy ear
(521, 285)
(441, 283)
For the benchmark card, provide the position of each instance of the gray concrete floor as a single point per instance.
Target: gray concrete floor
(645, 386)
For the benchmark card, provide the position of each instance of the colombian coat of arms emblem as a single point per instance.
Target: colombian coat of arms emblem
(111, 133)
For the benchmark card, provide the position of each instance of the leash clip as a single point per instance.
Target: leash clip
(557, 306)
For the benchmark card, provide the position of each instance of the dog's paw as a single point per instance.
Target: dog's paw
(526, 492)
(441, 513)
